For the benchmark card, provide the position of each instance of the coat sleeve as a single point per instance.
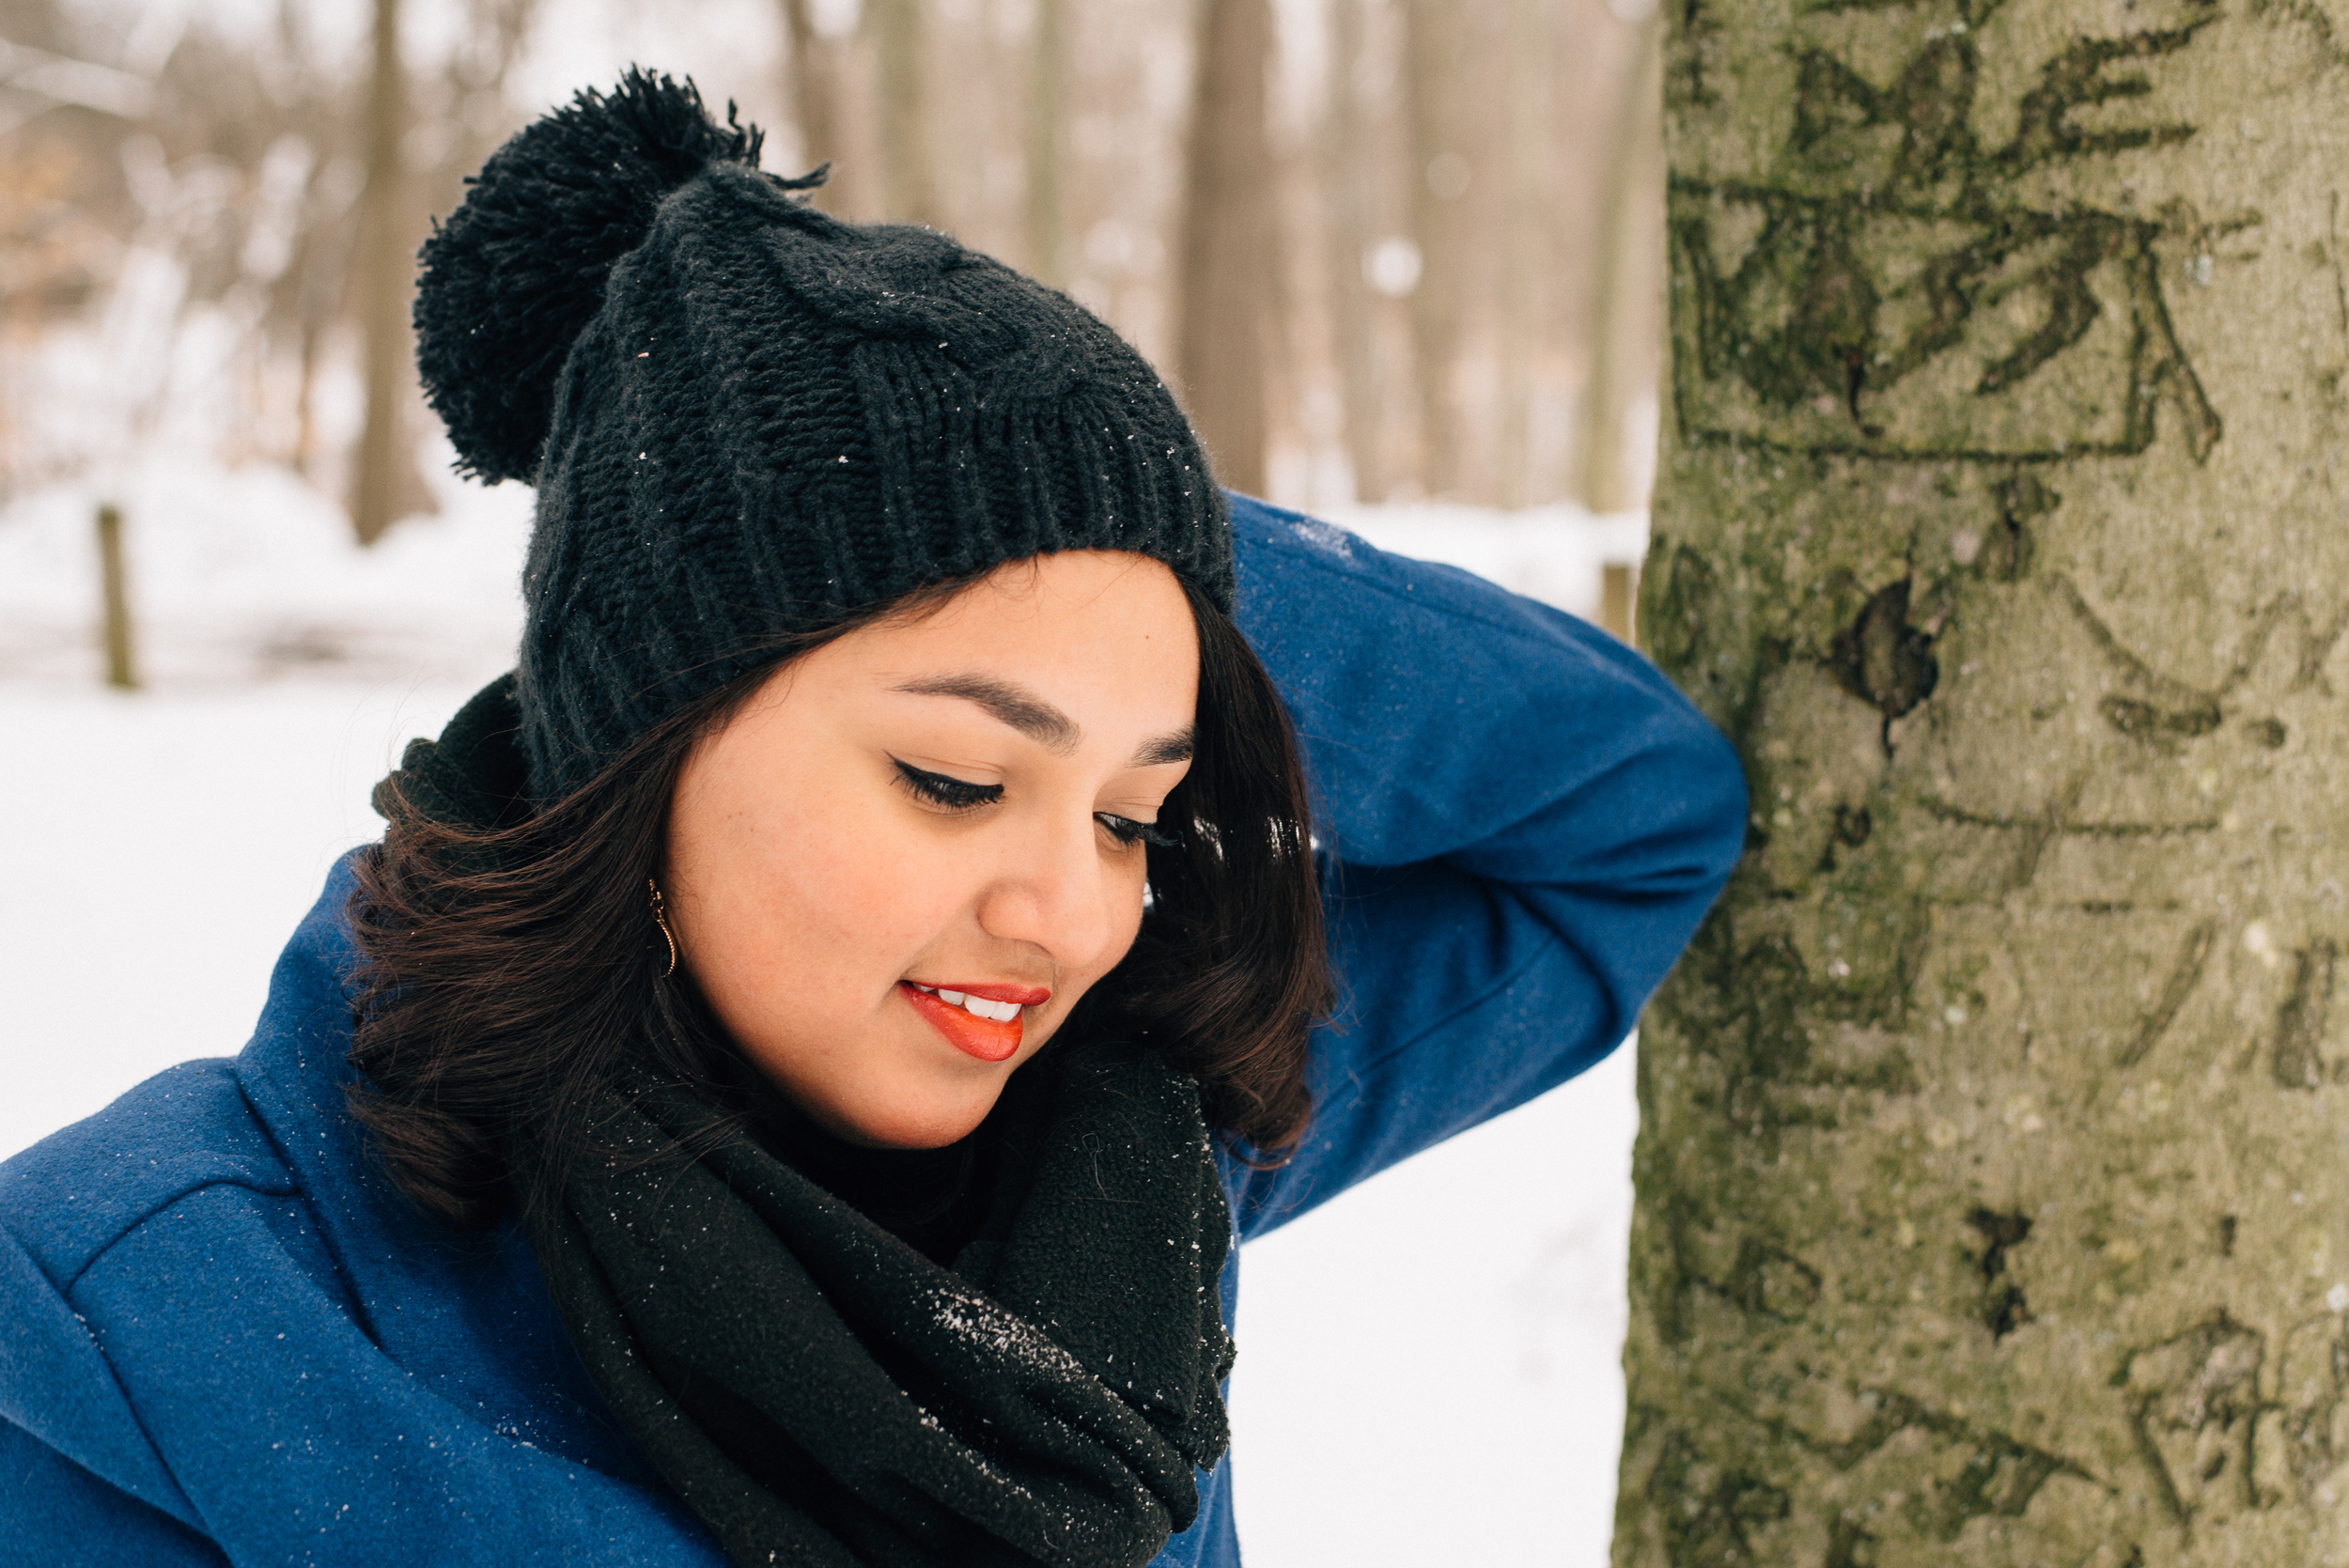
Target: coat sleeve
(52, 1510)
(1520, 823)
(80, 1481)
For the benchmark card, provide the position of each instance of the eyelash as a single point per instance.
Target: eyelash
(960, 795)
(953, 794)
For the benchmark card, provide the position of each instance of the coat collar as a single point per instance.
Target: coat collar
(465, 1310)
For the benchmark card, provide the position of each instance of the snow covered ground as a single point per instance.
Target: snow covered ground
(1429, 1367)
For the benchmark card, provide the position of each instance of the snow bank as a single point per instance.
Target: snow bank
(248, 575)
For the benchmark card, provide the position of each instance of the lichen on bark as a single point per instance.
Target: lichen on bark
(1991, 1173)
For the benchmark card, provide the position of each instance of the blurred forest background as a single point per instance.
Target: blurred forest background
(1388, 249)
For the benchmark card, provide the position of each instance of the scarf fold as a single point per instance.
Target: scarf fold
(821, 1394)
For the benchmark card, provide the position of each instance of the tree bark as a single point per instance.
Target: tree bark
(379, 476)
(1227, 241)
(1990, 1175)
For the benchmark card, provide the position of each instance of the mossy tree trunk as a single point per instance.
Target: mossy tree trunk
(1991, 1170)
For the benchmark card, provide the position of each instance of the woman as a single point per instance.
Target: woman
(787, 1086)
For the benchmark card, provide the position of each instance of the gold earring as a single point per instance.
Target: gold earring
(661, 918)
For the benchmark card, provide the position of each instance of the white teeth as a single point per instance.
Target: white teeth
(999, 1011)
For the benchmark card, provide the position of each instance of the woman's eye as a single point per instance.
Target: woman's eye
(1124, 830)
(953, 794)
(939, 791)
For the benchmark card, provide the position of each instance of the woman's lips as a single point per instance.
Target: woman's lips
(1025, 996)
(984, 1038)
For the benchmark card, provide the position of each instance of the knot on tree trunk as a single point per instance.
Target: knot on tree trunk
(1881, 658)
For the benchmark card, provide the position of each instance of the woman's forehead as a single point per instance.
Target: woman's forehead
(1088, 652)
(1089, 628)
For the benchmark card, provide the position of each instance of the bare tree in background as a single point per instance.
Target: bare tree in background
(466, 101)
(901, 106)
(1047, 129)
(1349, 179)
(816, 94)
(1625, 305)
(1526, 152)
(1227, 241)
(1435, 71)
(380, 278)
(478, 103)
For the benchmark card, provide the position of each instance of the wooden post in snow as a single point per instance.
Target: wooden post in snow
(114, 588)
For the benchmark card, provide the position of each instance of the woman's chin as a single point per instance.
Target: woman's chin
(907, 1122)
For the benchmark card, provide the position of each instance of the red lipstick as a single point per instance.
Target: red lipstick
(988, 1039)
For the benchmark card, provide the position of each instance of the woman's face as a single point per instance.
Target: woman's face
(943, 807)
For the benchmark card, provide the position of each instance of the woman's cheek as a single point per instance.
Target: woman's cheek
(846, 888)
(1123, 890)
(1130, 910)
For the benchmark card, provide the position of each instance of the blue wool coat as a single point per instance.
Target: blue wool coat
(224, 1339)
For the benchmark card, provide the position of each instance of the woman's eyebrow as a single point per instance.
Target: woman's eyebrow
(1013, 703)
(1178, 746)
(1039, 720)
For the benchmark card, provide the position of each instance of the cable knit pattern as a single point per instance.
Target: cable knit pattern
(769, 419)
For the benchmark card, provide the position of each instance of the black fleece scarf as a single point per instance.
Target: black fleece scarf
(821, 1392)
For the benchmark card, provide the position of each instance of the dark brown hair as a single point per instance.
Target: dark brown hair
(510, 971)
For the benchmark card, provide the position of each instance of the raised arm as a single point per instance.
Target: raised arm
(1521, 823)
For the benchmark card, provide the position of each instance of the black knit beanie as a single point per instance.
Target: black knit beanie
(746, 419)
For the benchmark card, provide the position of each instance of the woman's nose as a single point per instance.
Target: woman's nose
(1054, 889)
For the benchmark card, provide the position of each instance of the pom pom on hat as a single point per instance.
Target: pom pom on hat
(517, 272)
